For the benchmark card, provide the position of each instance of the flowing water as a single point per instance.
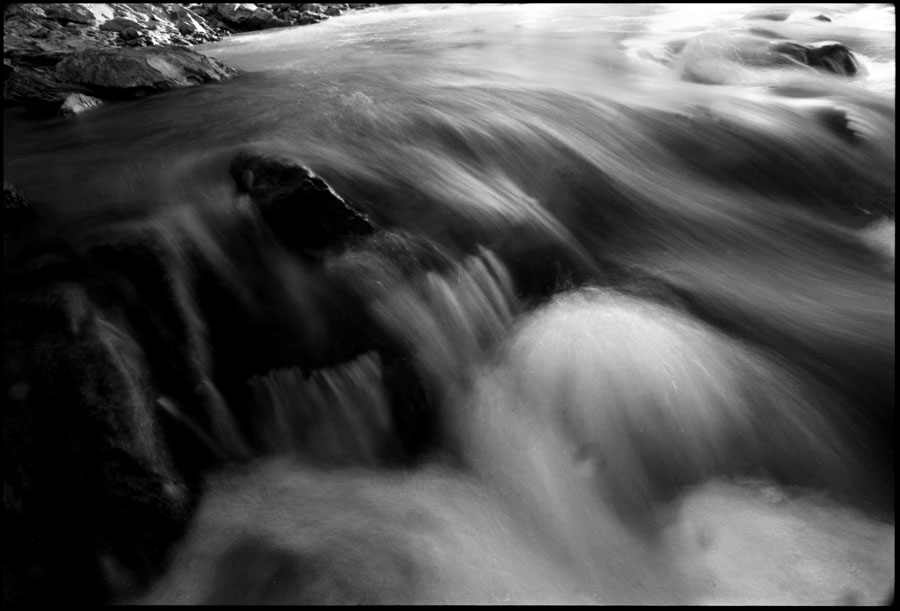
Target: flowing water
(664, 303)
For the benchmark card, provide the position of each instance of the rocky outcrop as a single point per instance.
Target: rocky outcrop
(91, 502)
(135, 72)
(64, 58)
(106, 362)
(81, 80)
(828, 56)
(38, 37)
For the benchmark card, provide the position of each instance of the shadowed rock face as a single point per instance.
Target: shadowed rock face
(107, 74)
(831, 57)
(128, 366)
(305, 212)
(90, 495)
(36, 37)
(130, 72)
(16, 209)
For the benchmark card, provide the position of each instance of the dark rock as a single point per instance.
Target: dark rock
(77, 103)
(37, 88)
(263, 19)
(37, 53)
(129, 34)
(300, 207)
(12, 10)
(833, 57)
(140, 41)
(16, 209)
(134, 72)
(86, 474)
(770, 15)
(119, 24)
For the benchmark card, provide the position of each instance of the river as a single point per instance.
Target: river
(736, 239)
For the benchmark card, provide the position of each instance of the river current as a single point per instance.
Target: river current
(662, 348)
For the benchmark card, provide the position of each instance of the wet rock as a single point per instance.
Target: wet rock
(77, 103)
(70, 13)
(829, 56)
(310, 17)
(235, 13)
(135, 72)
(17, 211)
(770, 14)
(297, 204)
(264, 19)
(119, 24)
(85, 466)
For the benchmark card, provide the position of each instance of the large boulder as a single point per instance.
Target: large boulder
(36, 38)
(135, 72)
(91, 503)
(70, 13)
(299, 206)
(753, 57)
(37, 88)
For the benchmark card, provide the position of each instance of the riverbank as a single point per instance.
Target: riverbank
(69, 58)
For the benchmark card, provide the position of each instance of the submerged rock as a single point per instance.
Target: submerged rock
(89, 488)
(70, 13)
(38, 37)
(829, 56)
(119, 24)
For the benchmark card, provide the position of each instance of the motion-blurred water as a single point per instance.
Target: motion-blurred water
(658, 285)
